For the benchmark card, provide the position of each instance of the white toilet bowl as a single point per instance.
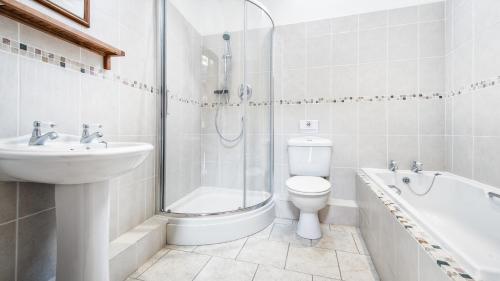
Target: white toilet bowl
(309, 195)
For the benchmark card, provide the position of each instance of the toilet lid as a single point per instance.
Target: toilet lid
(307, 184)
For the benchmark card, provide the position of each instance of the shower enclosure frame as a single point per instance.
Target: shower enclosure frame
(163, 109)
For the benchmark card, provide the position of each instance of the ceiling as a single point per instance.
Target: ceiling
(215, 16)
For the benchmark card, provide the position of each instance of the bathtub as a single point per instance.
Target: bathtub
(459, 214)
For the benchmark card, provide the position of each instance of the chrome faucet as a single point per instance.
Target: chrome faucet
(416, 166)
(36, 136)
(393, 166)
(87, 137)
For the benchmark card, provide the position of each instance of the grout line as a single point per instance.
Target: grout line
(16, 262)
(37, 213)
(255, 273)
(203, 267)
(241, 249)
(355, 244)
(287, 252)
(419, 144)
(386, 104)
(338, 264)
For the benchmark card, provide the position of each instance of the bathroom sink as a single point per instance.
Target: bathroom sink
(66, 161)
(81, 174)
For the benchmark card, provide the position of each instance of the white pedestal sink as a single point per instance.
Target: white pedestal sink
(81, 174)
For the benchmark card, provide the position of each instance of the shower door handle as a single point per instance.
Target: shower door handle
(245, 92)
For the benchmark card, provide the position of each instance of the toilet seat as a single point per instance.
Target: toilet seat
(308, 185)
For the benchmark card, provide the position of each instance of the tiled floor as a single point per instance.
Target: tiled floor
(274, 254)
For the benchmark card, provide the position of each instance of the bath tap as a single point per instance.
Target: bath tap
(416, 166)
(87, 137)
(393, 166)
(36, 136)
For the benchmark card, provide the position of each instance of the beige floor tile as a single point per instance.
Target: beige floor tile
(336, 240)
(221, 269)
(269, 273)
(312, 260)
(288, 233)
(180, 248)
(149, 263)
(263, 234)
(264, 252)
(344, 228)
(321, 278)
(175, 266)
(356, 267)
(225, 250)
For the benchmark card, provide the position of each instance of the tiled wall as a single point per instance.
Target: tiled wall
(35, 85)
(472, 71)
(374, 81)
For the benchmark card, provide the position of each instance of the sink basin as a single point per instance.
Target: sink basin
(66, 161)
(81, 174)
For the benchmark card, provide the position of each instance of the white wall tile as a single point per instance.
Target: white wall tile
(9, 93)
(402, 117)
(319, 27)
(372, 118)
(372, 151)
(44, 98)
(433, 11)
(372, 79)
(403, 15)
(431, 75)
(345, 48)
(403, 149)
(403, 42)
(372, 45)
(402, 77)
(373, 20)
(319, 50)
(344, 81)
(345, 24)
(431, 43)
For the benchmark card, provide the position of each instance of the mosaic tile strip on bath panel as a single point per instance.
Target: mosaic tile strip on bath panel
(25, 50)
(442, 258)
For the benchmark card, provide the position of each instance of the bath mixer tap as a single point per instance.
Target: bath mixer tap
(87, 137)
(393, 166)
(416, 166)
(36, 136)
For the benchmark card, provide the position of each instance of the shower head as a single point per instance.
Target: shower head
(226, 36)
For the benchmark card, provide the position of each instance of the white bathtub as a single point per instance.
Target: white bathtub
(458, 213)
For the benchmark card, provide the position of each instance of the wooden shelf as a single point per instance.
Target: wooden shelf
(29, 16)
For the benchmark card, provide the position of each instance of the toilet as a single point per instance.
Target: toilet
(309, 165)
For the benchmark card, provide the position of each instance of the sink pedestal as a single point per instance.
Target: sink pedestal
(82, 214)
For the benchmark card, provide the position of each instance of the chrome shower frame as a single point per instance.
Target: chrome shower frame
(161, 45)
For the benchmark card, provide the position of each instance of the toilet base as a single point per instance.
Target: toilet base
(308, 226)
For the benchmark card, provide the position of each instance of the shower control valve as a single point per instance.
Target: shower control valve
(245, 92)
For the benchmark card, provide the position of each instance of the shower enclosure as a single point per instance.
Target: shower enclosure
(217, 121)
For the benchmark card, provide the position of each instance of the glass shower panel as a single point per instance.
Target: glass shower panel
(258, 58)
(204, 167)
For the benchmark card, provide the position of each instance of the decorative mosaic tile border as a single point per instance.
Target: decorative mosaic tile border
(25, 50)
(15, 47)
(333, 100)
(475, 86)
(442, 258)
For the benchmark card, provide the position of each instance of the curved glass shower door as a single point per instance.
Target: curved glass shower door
(218, 137)
(258, 107)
